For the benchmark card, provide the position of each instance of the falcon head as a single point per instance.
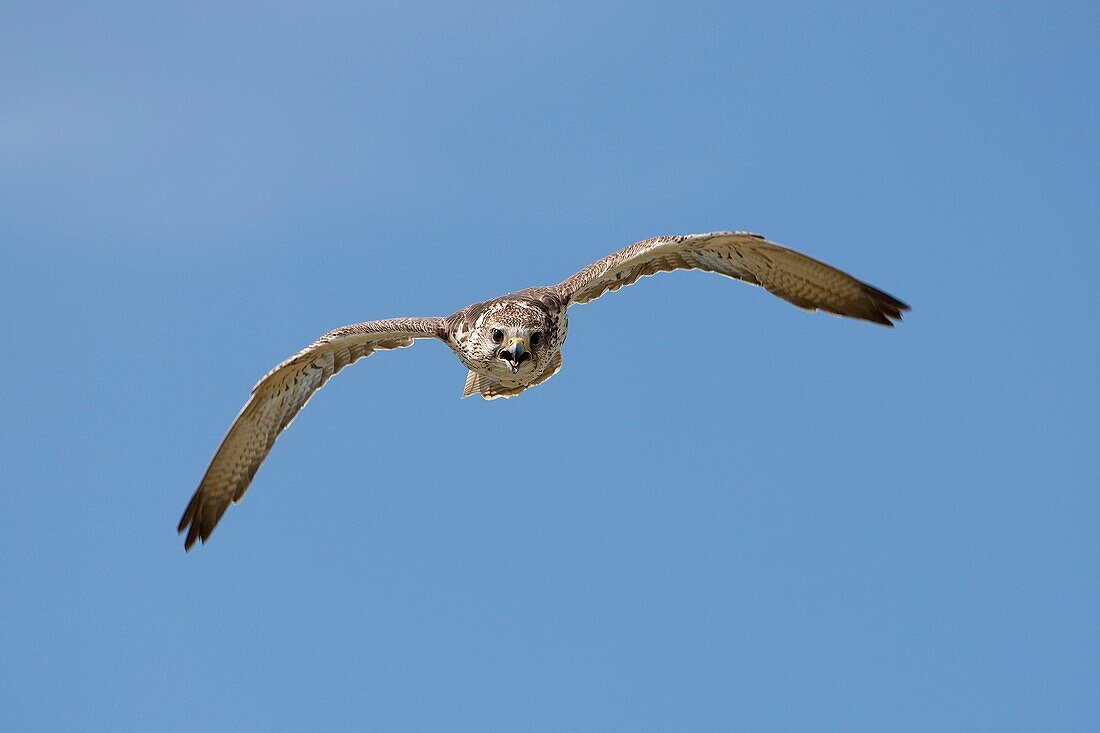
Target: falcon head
(512, 340)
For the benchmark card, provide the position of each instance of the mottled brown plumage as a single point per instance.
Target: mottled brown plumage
(513, 342)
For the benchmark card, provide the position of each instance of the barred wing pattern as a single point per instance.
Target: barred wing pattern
(796, 278)
(275, 401)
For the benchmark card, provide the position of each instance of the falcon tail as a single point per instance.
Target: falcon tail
(487, 388)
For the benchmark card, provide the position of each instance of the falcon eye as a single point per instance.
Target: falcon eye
(498, 335)
(536, 338)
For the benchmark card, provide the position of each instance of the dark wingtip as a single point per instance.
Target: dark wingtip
(188, 518)
(190, 521)
(887, 308)
(885, 298)
(200, 518)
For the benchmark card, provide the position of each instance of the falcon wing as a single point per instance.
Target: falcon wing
(749, 257)
(275, 400)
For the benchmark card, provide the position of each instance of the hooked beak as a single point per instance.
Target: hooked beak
(515, 353)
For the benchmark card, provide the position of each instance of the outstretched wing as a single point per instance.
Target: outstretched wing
(792, 276)
(275, 400)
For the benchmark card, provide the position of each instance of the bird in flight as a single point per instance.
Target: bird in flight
(513, 342)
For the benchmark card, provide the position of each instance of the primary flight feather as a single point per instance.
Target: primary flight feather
(513, 342)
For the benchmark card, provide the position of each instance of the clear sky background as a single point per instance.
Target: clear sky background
(724, 513)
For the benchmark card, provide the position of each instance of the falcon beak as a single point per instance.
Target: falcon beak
(515, 353)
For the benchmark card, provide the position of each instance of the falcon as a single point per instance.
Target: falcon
(513, 342)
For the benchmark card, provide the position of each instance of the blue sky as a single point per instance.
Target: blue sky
(823, 525)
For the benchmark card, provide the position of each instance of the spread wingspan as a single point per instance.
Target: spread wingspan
(793, 276)
(274, 402)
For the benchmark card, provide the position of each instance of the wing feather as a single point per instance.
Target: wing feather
(275, 401)
(798, 279)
